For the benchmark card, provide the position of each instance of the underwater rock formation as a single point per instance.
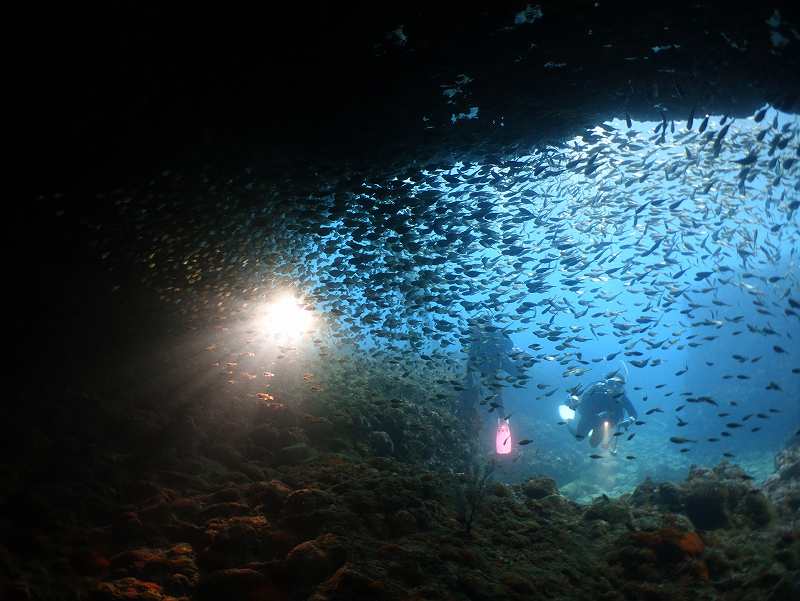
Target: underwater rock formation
(354, 526)
(381, 443)
(721, 497)
(783, 487)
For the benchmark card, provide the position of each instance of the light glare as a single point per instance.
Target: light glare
(286, 317)
(566, 413)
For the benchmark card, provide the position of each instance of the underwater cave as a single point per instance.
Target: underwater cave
(415, 301)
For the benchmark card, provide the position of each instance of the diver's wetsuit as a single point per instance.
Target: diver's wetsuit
(602, 402)
(488, 354)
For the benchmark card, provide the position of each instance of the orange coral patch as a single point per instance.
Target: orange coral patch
(671, 543)
(691, 544)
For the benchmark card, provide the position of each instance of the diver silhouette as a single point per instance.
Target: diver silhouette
(489, 353)
(601, 410)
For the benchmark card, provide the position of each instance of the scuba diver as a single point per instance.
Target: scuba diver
(490, 352)
(600, 412)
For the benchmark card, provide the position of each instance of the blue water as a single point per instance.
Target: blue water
(674, 248)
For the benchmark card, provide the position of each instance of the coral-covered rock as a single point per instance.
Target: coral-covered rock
(664, 495)
(538, 488)
(477, 586)
(307, 500)
(129, 589)
(707, 506)
(310, 512)
(294, 454)
(236, 541)
(166, 567)
(656, 556)
(459, 554)
(313, 561)
(362, 500)
(272, 494)
(186, 507)
(519, 583)
(670, 544)
(719, 566)
(783, 487)
(350, 584)
(128, 528)
(141, 490)
(718, 498)
(402, 522)
(266, 436)
(292, 436)
(320, 430)
(381, 443)
(498, 489)
(608, 510)
(223, 510)
(237, 583)
(227, 494)
(226, 454)
(757, 509)
(86, 562)
(669, 497)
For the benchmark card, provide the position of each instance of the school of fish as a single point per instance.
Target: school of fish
(622, 232)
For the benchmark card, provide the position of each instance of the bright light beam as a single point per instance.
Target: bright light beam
(286, 317)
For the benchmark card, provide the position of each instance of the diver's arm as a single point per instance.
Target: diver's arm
(511, 366)
(630, 408)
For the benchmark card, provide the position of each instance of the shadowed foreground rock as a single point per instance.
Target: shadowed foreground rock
(346, 525)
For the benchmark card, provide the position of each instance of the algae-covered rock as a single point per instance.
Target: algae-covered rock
(349, 583)
(129, 589)
(783, 487)
(272, 494)
(664, 495)
(235, 583)
(310, 512)
(294, 454)
(381, 443)
(224, 510)
(402, 522)
(669, 496)
(226, 454)
(645, 522)
(757, 509)
(165, 567)
(706, 506)
(235, 541)
(320, 430)
(477, 586)
(656, 556)
(538, 488)
(266, 436)
(609, 510)
(498, 489)
(719, 566)
(315, 560)
(305, 500)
